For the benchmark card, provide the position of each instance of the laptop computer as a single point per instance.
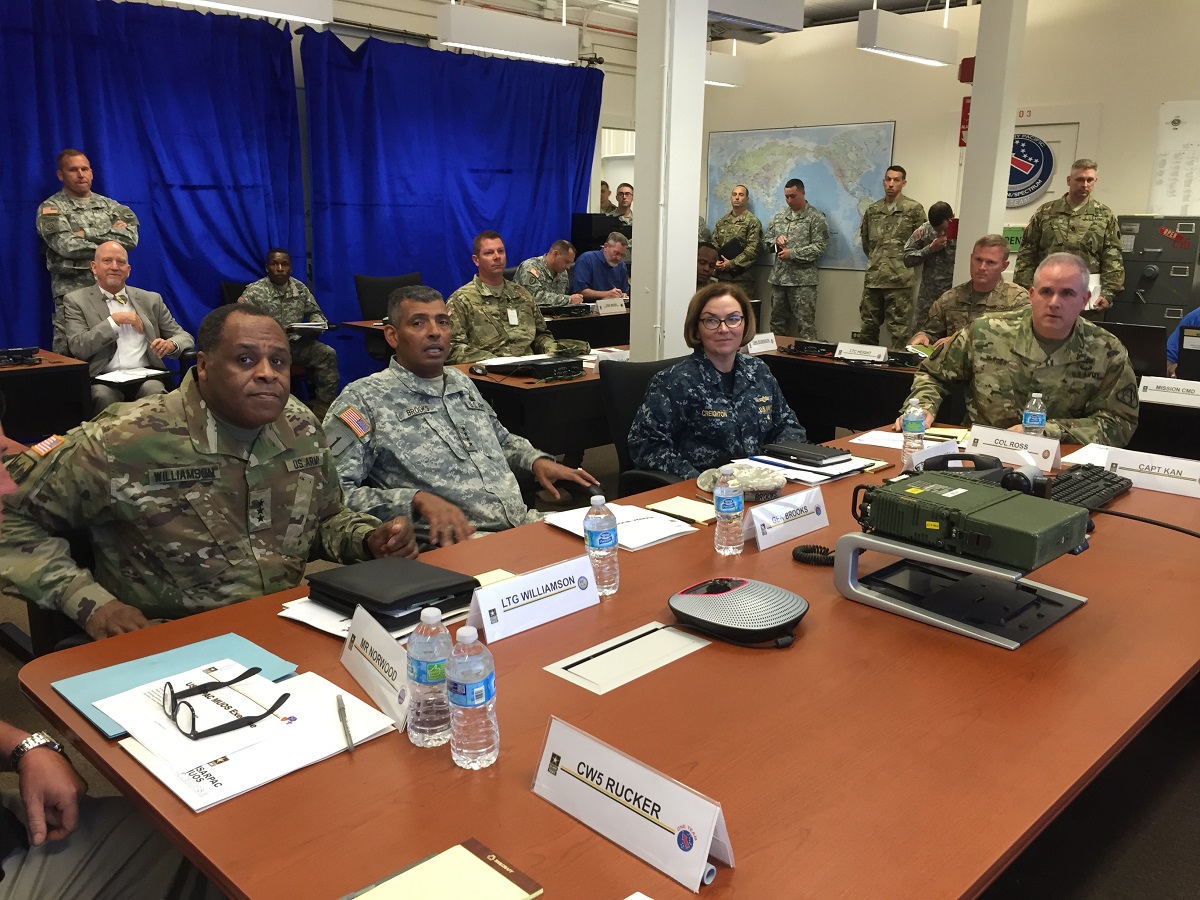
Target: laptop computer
(1146, 344)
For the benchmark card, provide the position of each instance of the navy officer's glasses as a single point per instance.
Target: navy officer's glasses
(183, 714)
(731, 321)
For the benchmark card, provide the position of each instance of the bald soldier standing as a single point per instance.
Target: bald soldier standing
(72, 224)
(798, 236)
(739, 224)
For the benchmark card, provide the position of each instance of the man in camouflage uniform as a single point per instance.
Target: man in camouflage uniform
(606, 204)
(934, 251)
(706, 264)
(798, 236)
(418, 440)
(741, 225)
(702, 232)
(1075, 223)
(492, 316)
(624, 210)
(72, 224)
(288, 301)
(1000, 359)
(887, 288)
(545, 277)
(986, 292)
(211, 494)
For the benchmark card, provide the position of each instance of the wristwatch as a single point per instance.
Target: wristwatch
(38, 739)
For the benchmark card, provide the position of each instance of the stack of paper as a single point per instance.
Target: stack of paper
(123, 375)
(204, 772)
(330, 621)
(794, 471)
(636, 527)
(468, 869)
(685, 509)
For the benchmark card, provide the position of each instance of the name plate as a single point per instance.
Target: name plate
(762, 343)
(861, 352)
(526, 601)
(788, 517)
(379, 664)
(1156, 473)
(1171, 391)
(607, 306)
(1014, 447)
(653, 816)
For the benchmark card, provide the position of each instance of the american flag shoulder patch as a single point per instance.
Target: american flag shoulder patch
(355, 421)
(48, 446)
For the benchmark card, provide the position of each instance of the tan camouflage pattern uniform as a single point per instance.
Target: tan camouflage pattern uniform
(937, 270)
(182, 517)
(702, 232)
(962, 305)
(546, 288)
(429, 434)
(480, 326)
(887, 288)
(1091, 234)
(294, 302)
(69, 255)
(794, 281)
(1087, 383)
(747, 229)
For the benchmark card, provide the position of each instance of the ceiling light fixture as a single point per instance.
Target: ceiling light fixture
(508, 34)
(903, 37)
(310, 12)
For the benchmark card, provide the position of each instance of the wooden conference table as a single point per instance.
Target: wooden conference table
(876, 757)
(50, 397)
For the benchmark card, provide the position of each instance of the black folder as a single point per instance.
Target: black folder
(393, 590)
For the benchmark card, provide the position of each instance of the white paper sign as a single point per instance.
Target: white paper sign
(1171, 391)
(932, 449)
(379, 664)
(607, 306)
(1156, 473)
(762, 343)
(861, 352)
(1014, 447)
(788, 517)
(532, 599)
(654, 817)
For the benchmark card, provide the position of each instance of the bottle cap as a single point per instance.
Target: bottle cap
(726, 470)
(1039, 396)
(431, 615)
(468, 634)
(597, 499)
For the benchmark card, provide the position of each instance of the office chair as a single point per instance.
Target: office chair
(47, 627)
(622, 389)
(373, 296)
(230, 291)
(510, 273)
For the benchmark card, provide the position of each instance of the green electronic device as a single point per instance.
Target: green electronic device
(972, 518)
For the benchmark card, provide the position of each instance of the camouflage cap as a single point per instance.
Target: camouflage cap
(758, 484)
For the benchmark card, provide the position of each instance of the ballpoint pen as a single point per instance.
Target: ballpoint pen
(341, 704)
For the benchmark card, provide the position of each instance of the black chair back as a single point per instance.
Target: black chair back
(622, 389)
(373, 296)
(510, 273)
(231, 290)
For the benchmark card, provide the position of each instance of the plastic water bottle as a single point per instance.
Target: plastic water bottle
(428, 707)
(913, 426)
(600, 534)
(471, 677)
(728, 503)
(1033, 419)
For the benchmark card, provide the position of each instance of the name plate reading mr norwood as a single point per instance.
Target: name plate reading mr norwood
(1171, 391)
(610, 306)
(379, 664)
(1014, 447)
(871, 353)
(653, 816)
(1168, 474)
(788, 517)
(526, 601)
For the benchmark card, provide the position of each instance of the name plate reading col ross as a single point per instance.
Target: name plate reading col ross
(1014, 447)
(379, 664)
(861, 352)
(788, 517)
(762, 343)
(610, 306)
(1156, 473)
(526, 601)
(653, 816)
(1171, 391)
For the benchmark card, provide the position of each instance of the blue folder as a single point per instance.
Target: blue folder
(82, 691)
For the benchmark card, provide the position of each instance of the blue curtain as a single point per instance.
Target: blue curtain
(189, 119)
(415, 151)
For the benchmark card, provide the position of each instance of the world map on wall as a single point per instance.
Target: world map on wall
(841, 166)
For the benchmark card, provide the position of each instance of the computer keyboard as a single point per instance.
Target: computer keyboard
(1088, 486)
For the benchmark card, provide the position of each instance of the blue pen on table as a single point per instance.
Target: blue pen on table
(341, 706)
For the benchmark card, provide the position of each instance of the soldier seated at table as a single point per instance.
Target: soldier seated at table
(418, 440)
(545, 277)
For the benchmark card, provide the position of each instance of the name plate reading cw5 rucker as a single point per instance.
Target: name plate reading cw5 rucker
(654, 817)
(1014, 447)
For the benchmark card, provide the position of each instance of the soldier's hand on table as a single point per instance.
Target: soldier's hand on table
(447, 524)
(162, 347)
(576, 299)
(114, 618)
(1101, 303)
(1018, 428)
(547, 471)
(920, 339)
(394, 538)
(129, 317)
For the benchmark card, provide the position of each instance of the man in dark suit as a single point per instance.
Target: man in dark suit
(119, 329)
